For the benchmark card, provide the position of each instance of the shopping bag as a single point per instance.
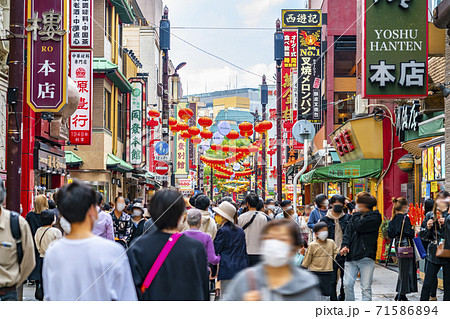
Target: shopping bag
(420, 250)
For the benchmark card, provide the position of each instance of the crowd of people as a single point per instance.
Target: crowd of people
(76, 247)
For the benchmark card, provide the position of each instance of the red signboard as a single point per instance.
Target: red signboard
(47, 26)
(81, 120)
(161, 168)
(289, 63)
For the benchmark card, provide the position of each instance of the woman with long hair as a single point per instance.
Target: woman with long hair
(402, 232)
(433, 232)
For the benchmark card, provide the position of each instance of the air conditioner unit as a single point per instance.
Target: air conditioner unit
(361, 105)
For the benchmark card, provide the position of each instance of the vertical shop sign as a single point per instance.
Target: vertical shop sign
(395, 37)
(136, 120)
(180, 153)
(81, 120)
(81, 24)
(47, 55)
(443, 160)
(289, 64)
(430, 163)
(424, 165)
(437, 162)
(310, 75)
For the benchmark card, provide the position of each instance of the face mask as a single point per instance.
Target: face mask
(21, 210)
(326, 203)
(65, 225)
(337, 208)
(288, 208)
(120, 207)
(323, 235)
(358, 207)
(137, 212)
(276, 253)
(271, 207)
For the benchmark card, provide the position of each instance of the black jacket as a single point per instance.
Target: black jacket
(428, 237)
(343, 221)
(361, 235)
(395, 230)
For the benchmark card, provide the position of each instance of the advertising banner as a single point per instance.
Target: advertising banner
(136, 121)
(81, 24)
(180, 152)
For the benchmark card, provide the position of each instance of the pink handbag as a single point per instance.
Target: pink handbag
(159, 261)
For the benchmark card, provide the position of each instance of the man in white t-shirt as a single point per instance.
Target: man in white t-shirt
(82, 266)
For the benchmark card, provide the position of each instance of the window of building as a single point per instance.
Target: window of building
(120, 35)
(345, 56)
(121, 121)
(107, 110)
(344, 107)
(108, 21)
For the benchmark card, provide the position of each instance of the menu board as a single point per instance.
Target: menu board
(430, 163)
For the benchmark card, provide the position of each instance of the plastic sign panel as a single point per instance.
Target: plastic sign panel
(289, 64)
(136, 120)
(81, 120)
(81, 23)
(180, 153)
(47, 55)
(310, 75)
(301, 18)
(395, 60)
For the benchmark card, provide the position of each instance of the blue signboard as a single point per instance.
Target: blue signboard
(161, 148)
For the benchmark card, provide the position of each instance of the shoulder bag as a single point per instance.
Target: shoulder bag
(441, 252)
(404, 252)
(159, 261)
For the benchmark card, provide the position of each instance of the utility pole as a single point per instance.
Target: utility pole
(279, 56)
(255, 159)
(15, 104)
(164, 42)
(212, 184)
(264, 102)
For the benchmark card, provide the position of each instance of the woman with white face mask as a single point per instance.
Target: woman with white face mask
(319, 258)
(276, 278)
(137, 212)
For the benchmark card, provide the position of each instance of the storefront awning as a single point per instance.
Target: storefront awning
(434, 126)
(112, 72)
(344, 171)
(124, 11)
(116, 164)
(73, 159)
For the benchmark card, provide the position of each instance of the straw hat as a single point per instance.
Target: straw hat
(226, 210)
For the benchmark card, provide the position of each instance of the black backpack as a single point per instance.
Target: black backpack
(15, 230)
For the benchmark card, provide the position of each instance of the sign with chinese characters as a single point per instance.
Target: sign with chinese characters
(348, 171)
(47, 55)
(81, 120)
(433, 163)
(136, 131)
(301, 18)
(395, 62)
(310, 75)
(343, 143)
(407, 118)
(81, 23)
(180, 153)
(289, 64)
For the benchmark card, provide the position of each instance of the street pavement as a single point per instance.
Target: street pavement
(383, 287)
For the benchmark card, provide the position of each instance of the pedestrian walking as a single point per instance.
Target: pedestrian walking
(166, 264)
(433, 232)
(402, 232)
(138, 220)
(104, 227)
(17, 256)
(208, 226)
(288, 212)
(276, 278)
(359, 245)
(252, 222)
(270, 207)
(319, 211)
(428, 206)
(123, 228)
(229, 244)
(43, 237)
(82, 266)
(337, 222)
(319, 259)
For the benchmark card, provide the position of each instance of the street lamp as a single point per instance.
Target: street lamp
(279, 56)
(164, 43)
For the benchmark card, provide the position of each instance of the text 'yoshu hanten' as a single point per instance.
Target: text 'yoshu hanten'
(396, 40)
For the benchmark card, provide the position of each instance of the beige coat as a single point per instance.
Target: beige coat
(320, 255)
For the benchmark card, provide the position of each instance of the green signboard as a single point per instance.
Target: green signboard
(395, 61)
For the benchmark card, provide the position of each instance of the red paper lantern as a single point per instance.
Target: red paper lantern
(205, 121)
(259, 129)
(216, 147)
(152, 123)
(233, 135)
(243, 149)
(153, 113)
(175, 128)
(206, 134)
(247, 133)
(246, 164)
(207, 177)
(196, 140)
(226, 148)
(253, 148)
(245, 126)
(185, 135)
(194, 130)
(172, 121)
(265, 125)
(183, 126)
(185, 113)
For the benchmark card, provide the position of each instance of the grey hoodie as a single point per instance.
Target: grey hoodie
(303, 286)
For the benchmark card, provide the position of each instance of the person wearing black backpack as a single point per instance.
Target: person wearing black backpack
(17, 259)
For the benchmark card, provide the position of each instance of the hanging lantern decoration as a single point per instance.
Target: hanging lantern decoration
(216, 147)
(253, 148)
(259, 129)
(207, 177)
(265, 125)
(206, 134)
(205, 122)
(151, 123)
(226, 148)
(153, 113)
(172, 121)
(233, 149)
(194, 130)
(185, 113)
(247, 133)
(196, 140)
(246, 164)
(245, 127)
(185, 135)
(175, 128)
(243, 150)
(233, 135)
(406, 163)
(183, 126)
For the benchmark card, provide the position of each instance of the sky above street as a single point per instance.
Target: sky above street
(250, 49)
